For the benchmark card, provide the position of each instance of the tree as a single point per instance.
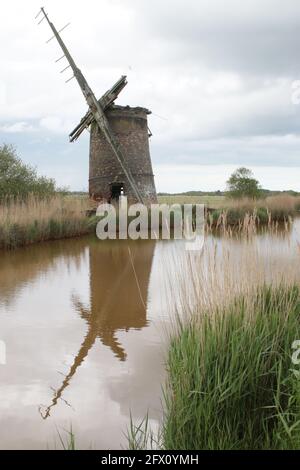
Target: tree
(243, 184)
(18, 179)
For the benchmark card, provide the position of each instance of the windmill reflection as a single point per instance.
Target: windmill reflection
(119, 279)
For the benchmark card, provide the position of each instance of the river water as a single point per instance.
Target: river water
(84, 324)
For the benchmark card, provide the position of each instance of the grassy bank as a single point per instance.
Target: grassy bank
(230, 380)
(275, 209)
(35, 220)
(232, 212)
(231, 383)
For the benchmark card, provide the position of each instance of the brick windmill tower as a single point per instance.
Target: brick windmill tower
(120, 162)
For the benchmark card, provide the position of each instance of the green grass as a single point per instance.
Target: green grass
(35, 220)
(67, 443)
(209, 201)
(230, 378)
(231, 212)
(273, 209)
(18, 235)
(235, 216)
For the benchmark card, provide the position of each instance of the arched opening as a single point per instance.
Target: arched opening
(117, 190)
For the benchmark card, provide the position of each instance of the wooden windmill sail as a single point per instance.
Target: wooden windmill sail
(97, 115)
(107, 99)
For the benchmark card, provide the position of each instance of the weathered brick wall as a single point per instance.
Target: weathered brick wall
(131, 128)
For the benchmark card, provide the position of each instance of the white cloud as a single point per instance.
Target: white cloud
(18, 127)
(56, 124)
(216, 73)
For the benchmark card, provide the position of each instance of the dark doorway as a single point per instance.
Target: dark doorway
(117, 190)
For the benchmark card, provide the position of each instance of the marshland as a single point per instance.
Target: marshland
(150, 340)
(139, 344)
(143, 344)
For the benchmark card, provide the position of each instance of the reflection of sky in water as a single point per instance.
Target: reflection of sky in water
(80, 344)
(66, 326)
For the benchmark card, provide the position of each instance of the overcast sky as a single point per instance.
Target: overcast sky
(218, 77)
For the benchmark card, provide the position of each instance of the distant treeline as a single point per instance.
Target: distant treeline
(264, 192)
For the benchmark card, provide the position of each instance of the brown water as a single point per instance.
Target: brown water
(84, 325)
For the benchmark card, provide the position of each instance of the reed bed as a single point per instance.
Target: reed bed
(35, 220)
(231, 383)
(274, 209)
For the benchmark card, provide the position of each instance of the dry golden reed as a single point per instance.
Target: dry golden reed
(35, 220)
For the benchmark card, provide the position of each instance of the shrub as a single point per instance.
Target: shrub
(18, 180)
(242, 184)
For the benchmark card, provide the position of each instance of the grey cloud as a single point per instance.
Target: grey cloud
(217, 76)
(282, 151)
(257, 37)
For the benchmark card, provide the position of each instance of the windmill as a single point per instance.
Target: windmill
(119, 149)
